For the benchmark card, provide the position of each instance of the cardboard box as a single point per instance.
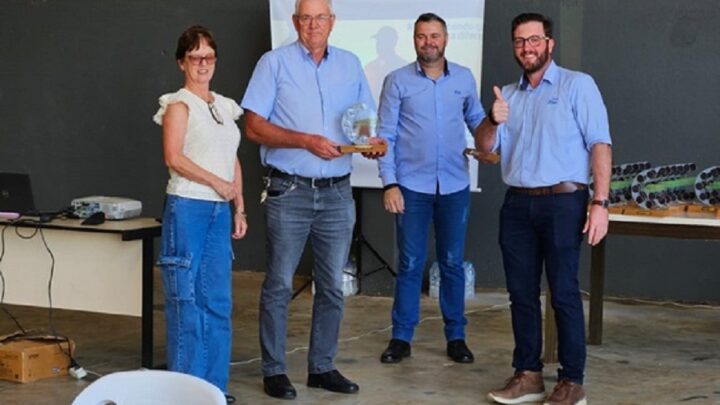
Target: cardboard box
(29, 359)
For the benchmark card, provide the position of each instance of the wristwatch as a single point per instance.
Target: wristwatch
(603, 203)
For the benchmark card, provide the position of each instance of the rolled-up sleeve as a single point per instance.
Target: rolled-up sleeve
(590, 113)
(262, 88)
(473, 111)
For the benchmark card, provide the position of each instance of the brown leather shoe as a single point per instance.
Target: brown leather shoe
(524, 386)
(567, 393)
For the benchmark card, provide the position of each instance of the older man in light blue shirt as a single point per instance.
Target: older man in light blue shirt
(426, 108)
(291, 90)
(294, 103)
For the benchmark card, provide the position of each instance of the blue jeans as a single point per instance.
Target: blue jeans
(536, 230)
(195, 261)
(449, 214)
(294, 211)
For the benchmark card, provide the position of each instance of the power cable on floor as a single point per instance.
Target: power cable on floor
(2, 278)
(74, 368)
(623, 300)
(372, 332)
(385, 329)
(491, 308)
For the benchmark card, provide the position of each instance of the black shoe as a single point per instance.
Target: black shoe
(332, 381)
(396, 351)
(458, 351)
(279, 386)
(229, 399)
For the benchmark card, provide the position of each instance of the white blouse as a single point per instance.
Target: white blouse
(208, 144)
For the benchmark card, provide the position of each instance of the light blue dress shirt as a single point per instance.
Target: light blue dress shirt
(290, 90)
(424, 121)
(551, 129)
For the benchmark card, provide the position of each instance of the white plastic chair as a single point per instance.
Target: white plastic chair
(150, 387)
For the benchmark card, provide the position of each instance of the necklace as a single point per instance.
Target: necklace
(214, 112)
(210, 101)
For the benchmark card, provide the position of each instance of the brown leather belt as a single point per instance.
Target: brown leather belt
(560, 188)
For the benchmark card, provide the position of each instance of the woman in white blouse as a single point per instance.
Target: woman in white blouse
(200, 141)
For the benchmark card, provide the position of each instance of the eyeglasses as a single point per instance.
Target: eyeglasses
(535, 40)
(215, 113)
(196, 60)
(320, 19)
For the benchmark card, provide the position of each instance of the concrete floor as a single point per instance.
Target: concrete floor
(652, 354)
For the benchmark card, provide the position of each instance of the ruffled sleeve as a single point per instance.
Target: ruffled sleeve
(237, 111)
(165, 100)
(229, 104)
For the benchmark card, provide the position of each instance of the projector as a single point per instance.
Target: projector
(112, 207)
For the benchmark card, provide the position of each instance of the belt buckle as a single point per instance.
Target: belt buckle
(312, 182)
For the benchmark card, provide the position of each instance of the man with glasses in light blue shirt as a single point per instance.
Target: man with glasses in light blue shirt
(425, 110)
(550, 128)
(294, 104)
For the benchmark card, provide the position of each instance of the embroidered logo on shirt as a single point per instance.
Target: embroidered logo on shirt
(457, 92)
(553, 100)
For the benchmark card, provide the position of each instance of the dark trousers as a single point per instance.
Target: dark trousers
(537, 230)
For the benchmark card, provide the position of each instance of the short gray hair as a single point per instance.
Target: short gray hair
(297, 6)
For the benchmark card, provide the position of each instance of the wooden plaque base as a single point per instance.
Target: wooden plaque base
(485, 157)
(703, 211)
(672, 211)
(683, 210)
(380, 148)
(613, 210)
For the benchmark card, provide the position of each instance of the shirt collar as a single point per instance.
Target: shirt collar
(305, 52)
(550, 76)
(419, 70)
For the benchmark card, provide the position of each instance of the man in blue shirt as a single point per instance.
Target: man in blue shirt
(425, 110)
(550, 128)
(294, 103)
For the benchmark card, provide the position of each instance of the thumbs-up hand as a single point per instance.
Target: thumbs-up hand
(500, 109)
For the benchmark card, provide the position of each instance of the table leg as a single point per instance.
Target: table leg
(597, 290)
(147, 303)
(550, 330)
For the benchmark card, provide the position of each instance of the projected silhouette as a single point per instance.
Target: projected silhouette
(387, 59)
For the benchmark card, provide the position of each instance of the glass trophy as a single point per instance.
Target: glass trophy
(359, 124)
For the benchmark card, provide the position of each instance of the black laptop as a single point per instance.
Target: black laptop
(16, 193)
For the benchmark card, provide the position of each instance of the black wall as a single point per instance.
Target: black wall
(80, 84)
(80, 81)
